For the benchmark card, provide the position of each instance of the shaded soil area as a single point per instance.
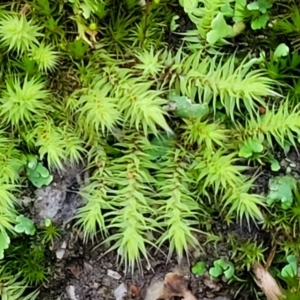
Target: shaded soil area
(84, 273)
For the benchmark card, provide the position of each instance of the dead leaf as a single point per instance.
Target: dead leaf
(213, 285)
(113, 274)
(87, 268)
(270, 257)
(187, 295)
(262, 110)
(92, 34)
(176, 285)
(25, 9)
(75, 270)
(155, 290)
(183, 270)
(267, 283)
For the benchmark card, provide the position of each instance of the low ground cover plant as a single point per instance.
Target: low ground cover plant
(171, 105)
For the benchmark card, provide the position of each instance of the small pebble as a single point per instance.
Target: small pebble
(64, 245)
(60, 253)
(211, 284)
(196, 253)
(113, 274)
(71, 292)
(120, 292)
(95, 285)
(88, 268)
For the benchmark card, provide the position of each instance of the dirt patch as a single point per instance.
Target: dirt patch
(87, 274)
(82, 271)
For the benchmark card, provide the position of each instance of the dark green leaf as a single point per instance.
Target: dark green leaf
(160, 146)
(77, 49)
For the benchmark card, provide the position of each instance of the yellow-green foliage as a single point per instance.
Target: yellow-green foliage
(207, 135)
(213, 79)
(202, 12)
(133, 201)
(100, 96)
(90, 217)
(23, 101)
(13, 288)
(279, 124)
(18, 33)
(179, 208)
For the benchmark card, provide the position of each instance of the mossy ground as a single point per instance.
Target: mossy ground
(123, 130)
(85, 267)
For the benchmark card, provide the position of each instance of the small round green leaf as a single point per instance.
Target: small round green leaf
(261, 5)
(215, 271)
(222, 266)
(245, 152)
(281, 189)
(260, 22)
(253, 6)
(220, 29)
(184, 108)
(39, 176)
(291, 269)
(48, 222)
(275, 166)
(256, 146)
(24, 225)
(199, 268)
(174, 25)
(282, 50)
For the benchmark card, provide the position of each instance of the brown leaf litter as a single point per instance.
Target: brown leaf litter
(267, 283)
(174, 285)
